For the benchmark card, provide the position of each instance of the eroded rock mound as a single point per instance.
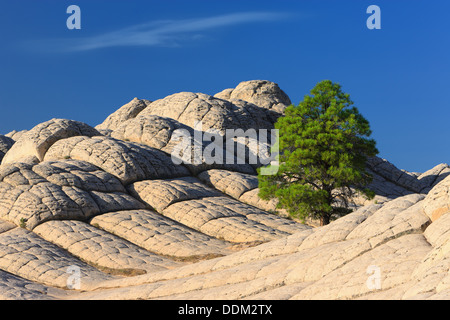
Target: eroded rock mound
(5, 144)
(124, 113)
(183, 143)
(127, 161)
(112, 205)
(215, 114)
(36, 142)
(33, 194)
(437, 202)
(265, 94)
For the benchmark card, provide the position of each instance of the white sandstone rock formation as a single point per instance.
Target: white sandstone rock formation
(110, 203)
(37, 141)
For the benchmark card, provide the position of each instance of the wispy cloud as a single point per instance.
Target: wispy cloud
(159, 33)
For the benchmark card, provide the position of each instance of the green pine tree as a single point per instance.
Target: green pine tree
(324, 145)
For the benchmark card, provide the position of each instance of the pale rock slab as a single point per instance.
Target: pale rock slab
(279, 293)
(41, 202)
(398, 217)
(215, 114)
(438, 233)
(299, 269)
(395, 260)
(20, 174)
(394, 175)
(15, 135)
(277, 222)
(128, 162)
(24, 254)
(80, 174)
(394, 293)
(432, 275)
(241, 280)
(234, 184)
(251, 197)
(237, 251)
(159, 194)
(435, 175)
(5, 144)
(100, 248)
(334, 270)
(281, 247)
(438, 296)
(152, 130)
(263, 93)
(16, 288)
(6, 226)
(159, 234)
(239, 229)
(37, 141)
(195, 213)
(113, 201)
(437, 201)
(231, 220)
(339, 229)
(27, 196)
(124, 113)
(185, 145)
(384, 189)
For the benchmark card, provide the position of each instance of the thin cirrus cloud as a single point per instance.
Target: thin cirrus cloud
(163, 33)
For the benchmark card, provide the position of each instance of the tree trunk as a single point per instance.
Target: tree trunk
(324, 220)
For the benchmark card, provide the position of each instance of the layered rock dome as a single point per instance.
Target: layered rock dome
(110, 203)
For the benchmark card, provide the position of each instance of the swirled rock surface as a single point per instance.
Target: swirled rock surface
(110, 213)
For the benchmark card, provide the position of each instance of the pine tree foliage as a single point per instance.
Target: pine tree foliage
(324, 145)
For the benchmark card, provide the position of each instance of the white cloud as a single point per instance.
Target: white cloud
(161, 33)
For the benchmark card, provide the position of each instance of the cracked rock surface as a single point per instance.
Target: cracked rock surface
(106, 213)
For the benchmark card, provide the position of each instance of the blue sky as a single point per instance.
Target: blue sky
(397, 76)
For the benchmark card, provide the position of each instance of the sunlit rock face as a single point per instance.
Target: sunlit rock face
(106, 213)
